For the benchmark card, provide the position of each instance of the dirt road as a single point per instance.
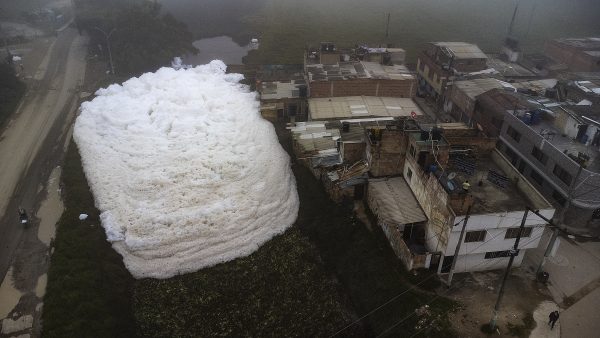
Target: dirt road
(31, 146)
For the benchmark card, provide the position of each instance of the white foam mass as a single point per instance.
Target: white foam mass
(185, 172)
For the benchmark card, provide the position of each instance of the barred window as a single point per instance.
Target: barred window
(499, 254)
(514, 232)
(412, 151)
(559, 198)
(561, 173)
(475, 236)
(537, 177)
(539, 155)
(515, 135)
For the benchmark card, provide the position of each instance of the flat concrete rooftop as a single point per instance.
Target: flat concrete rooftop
(475, 87)
(509, 69)
(488, 197)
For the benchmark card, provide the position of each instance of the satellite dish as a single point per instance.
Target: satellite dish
(450, 186)
(451, 176)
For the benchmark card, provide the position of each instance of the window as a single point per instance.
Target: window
(539, 155)
(511, 155)
(596, 214)
(409, 174)
(562, 174)
(536, 177)
(412, 151)
(499, 254)
(559, 198)
(522, 166)
(515, 135)
(497, 122)
(475, 236)
(501, 146)
(514, 232)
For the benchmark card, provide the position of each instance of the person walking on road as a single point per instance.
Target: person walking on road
(553, 318)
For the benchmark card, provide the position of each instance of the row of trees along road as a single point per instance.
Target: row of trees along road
(11, 89)
(143, 38)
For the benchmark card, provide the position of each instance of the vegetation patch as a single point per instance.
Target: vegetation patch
(522, 330)
(487, 329)
(142, 39)
(89, 290)
(279, 291)
(375, 280)
(11, 90)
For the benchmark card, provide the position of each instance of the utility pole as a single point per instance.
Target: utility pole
(559, 220)
(107, 37)
(387, 27)
(460, 240)
(512, 21)
(513, 253)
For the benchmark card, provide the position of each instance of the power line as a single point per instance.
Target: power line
(411, 288)
(437, 297)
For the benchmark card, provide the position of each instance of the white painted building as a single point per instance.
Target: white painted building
(497, 198)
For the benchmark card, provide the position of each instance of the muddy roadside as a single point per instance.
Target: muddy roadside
(478, 292)
(39, 192)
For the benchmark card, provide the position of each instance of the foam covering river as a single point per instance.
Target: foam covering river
(184, 170)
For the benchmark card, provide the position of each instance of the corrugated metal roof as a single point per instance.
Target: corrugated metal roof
(360, 107)
(317, 142)
(463, 50)
(475, 87)
(395, 201)
(357, 69)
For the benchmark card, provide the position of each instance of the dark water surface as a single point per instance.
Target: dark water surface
(221, 47)
(285, 26)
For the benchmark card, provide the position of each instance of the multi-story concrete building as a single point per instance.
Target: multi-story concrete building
(495, 201)
(439, 62)
(555, 146)
(433, 169)
(462, 96)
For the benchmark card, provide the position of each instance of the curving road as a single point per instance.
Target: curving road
(31, 145)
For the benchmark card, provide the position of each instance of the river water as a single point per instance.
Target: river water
(220, 47)
(285, 26)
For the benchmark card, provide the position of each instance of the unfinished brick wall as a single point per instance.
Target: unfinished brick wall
(353, 152)
(388, 154)
(364, 87)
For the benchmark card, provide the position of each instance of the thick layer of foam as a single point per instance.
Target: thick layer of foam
(185, 172)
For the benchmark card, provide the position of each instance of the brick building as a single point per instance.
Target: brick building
(356, 78)
(439, 62)
(578, 54)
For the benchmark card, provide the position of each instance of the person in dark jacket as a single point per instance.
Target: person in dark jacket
(553, 318)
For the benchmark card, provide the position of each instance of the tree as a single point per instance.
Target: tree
(144, 39)
(11, 90)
